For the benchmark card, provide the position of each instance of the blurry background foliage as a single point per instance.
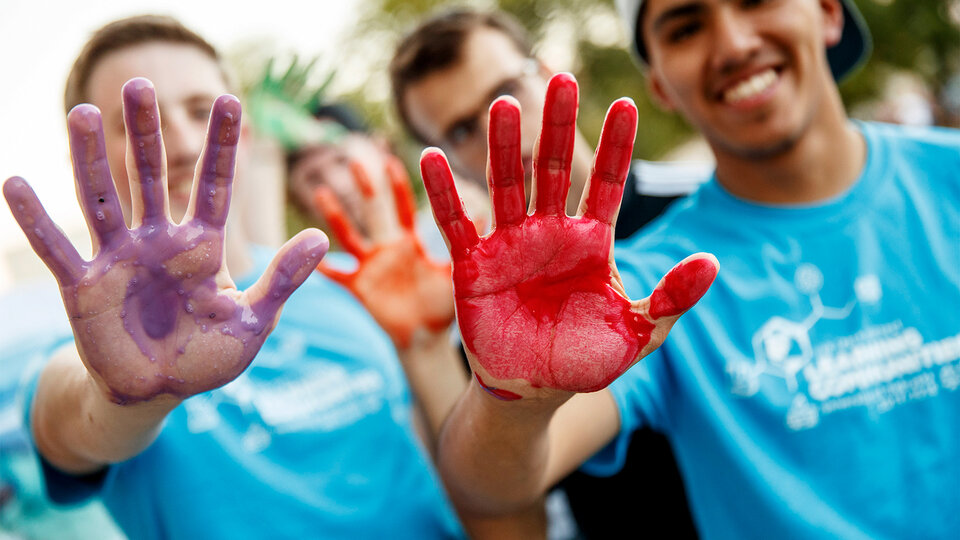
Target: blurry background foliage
(920, 38)
(586, 38)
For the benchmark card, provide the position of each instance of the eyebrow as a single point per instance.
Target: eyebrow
(678, 12)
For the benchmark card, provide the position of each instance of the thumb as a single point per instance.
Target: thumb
(291, 266)
(677, 292)
(683, 286)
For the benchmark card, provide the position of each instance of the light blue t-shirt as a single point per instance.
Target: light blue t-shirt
(313, 440)
(814, 392)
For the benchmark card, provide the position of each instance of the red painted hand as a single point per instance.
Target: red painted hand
(155, 312)
(400, 286)
(539, 300)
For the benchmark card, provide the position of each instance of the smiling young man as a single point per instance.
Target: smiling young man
(813, 391)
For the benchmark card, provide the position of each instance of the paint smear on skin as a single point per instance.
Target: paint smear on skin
(499, 393)
(162, 311)
(166, 305)
(547, 313)
(682, 287)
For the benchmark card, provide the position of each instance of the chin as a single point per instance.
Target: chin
(768, 149)
(760, 144)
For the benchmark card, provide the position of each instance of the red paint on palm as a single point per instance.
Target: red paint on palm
(535, 302)
(536, 298)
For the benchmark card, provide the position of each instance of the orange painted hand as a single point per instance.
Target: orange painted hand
(408, 294)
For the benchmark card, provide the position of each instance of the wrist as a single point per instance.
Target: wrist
(517, 391)
(427, 345)
(537, 406)
(103, 399)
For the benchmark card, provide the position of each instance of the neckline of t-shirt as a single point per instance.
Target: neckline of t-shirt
(826, 212)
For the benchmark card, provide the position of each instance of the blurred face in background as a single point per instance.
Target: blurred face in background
(449, 107)
(329, 165)
(187, 81)
(751, 75)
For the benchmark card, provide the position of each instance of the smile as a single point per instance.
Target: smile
(752, 87)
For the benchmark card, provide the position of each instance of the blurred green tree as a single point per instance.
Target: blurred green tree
(918, 36)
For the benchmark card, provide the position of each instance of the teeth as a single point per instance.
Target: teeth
(751, 87)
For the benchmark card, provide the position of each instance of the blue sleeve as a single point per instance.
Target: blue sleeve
(635, 394)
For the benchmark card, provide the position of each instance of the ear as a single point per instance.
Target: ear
(832, 21)
(656, 88)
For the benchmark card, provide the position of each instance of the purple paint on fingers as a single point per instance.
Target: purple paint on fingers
(217, 164)
(144, 142)
(150, 313)
(46, 239)
(95, 189)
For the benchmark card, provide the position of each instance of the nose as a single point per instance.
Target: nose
(182, 140)
(735, 40)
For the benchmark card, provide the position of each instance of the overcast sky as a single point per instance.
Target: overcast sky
(39, 40)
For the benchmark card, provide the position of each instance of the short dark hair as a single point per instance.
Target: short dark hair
(343, 114)
(125, 33)
(437, 43)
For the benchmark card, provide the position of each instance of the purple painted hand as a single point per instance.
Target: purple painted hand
(155, 311)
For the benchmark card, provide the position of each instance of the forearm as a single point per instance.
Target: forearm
(493, 454)
(437, 376)
(78, 429)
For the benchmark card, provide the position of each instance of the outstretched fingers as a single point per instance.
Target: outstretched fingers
(604, 189)
(47, 240)
(377, 208)
(402, 192)
(146, 164)
(457, 229)
(344, 231)
(341, 277)
(551, 166)
(291, 266)
(95, 189)
(506, 164)
(210, 201)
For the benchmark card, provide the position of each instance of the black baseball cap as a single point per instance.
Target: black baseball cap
(844, 57)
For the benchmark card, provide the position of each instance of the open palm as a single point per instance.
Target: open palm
(404, 291)
(539, 301)
(155, 311)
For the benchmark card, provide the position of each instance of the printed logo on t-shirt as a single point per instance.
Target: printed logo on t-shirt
(315, 394)
(879, 367)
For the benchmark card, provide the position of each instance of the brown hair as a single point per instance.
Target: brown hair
(125, 33)
(437, 43)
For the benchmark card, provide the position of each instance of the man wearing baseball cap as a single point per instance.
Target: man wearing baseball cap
(814, 391)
